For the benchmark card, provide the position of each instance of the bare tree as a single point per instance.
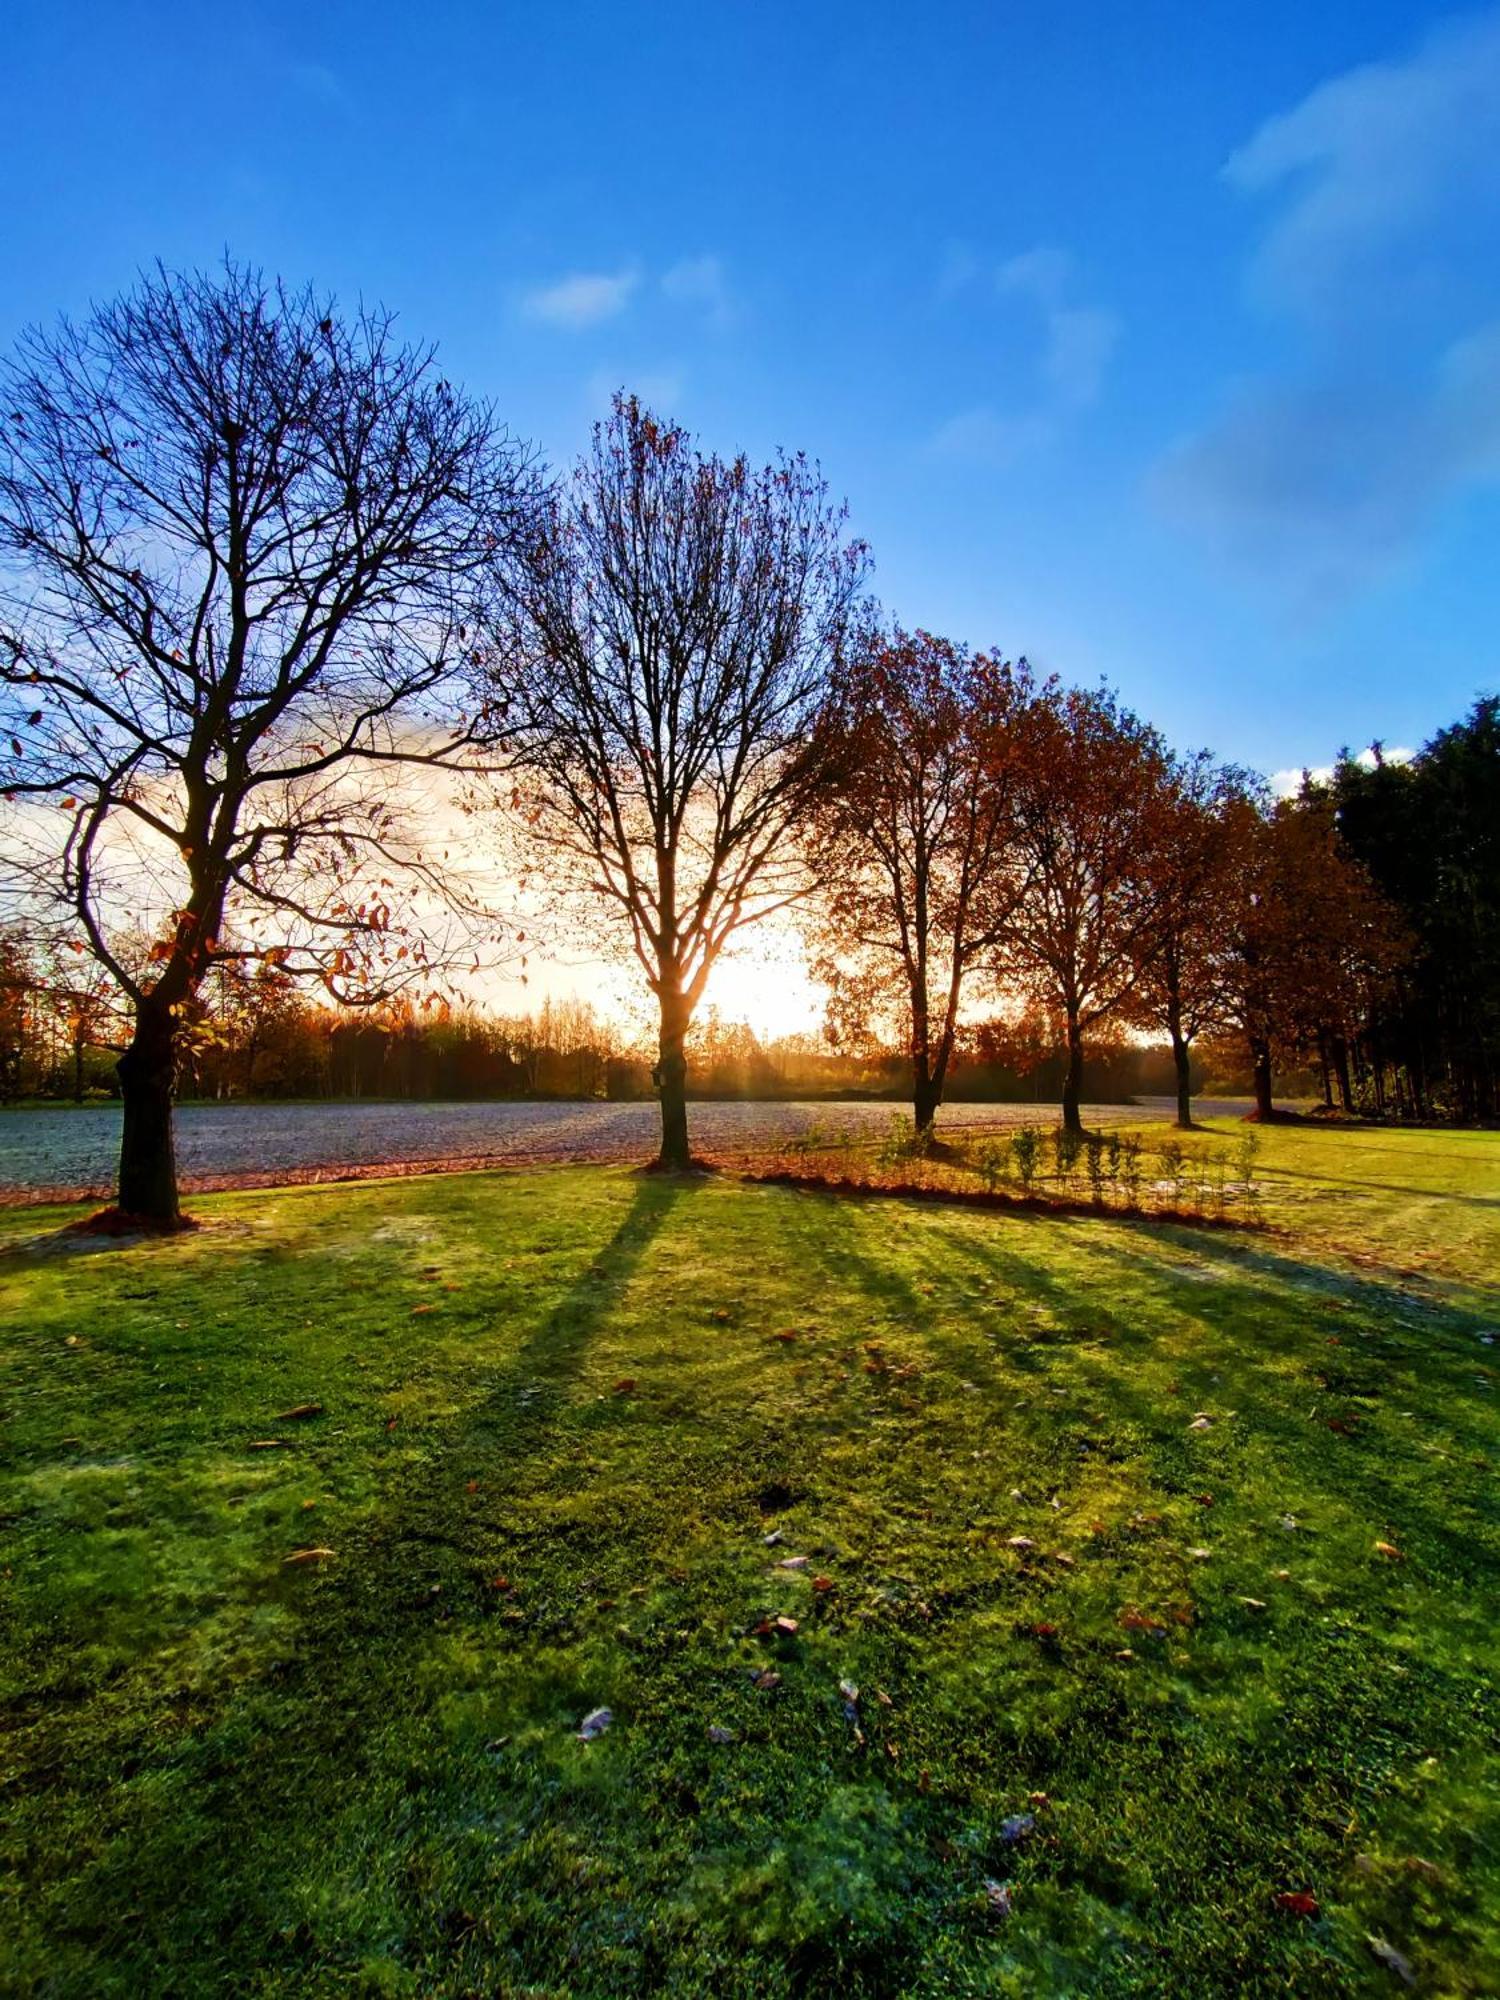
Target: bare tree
(914, 842)
(244, 544)
(1090, 816)
(663, 671)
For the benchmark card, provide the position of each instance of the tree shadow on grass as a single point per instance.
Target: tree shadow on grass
(1228, 1309)
(315, 1720)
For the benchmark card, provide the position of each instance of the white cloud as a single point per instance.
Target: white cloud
(1288, 783)
(1327, 487)
(583, 299)
(701, 284)
(1077, 343)
(982, 436)
(1392, 166)
(1327, 478)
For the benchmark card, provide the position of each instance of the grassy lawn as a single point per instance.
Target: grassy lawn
(1127, 1680)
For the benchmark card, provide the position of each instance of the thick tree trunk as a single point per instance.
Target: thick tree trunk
(1072, 1095)
(671, 1083)
(148, 1159)
(1260, 1057)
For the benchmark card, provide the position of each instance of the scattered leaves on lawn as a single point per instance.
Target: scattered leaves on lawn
(766, 1679)
(594, 1724)
(1389, 1551)
(1297, 1903)
(1395, 1961)
(299, 1411)
(998, 1901)
(1015, 1829)
(300, 1556)
(624, 1387)
(716, 1733)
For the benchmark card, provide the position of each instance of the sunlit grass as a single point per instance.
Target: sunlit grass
(562, 1411)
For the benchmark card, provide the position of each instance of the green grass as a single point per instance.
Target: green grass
(224, 1774)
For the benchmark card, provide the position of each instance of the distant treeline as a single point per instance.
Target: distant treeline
(261, 1038)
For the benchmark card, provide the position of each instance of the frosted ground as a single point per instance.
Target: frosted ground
(71, 1149)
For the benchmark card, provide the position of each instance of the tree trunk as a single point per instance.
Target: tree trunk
(1182, 1062)
(671, 1082)
(927, 1095)
(1341, 1071)
(1072, 1093)
(148, 1159)
(1260, 1056)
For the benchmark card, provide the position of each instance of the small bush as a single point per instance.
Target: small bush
(1171, 1158)
(992, 1162)
(1093, 1148)
(1130, 1169)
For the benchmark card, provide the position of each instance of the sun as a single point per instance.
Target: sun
(765, 983)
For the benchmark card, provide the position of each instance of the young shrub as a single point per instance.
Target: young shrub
(1093, 1147)
(902, 1142)
(1026, 1148)
(1130, 1171)
(1245, 1154)
(1066, 1147)
(992, 1163)
(1218, 1173)
(1171, 1158)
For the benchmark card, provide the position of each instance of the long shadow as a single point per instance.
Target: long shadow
(421, 1559)
(1283, 1172)
(1266, 1323)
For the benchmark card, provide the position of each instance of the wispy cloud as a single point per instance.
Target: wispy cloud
(1328, 487)
(1078, 341)
(1326, 479)
(1076, 346)
(324, 85)
(702, 285)
(583, 299)
(1390, 167)
(984, 436)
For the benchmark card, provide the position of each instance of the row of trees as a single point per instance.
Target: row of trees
(982, 831)
(278, 599)
(256, 1033)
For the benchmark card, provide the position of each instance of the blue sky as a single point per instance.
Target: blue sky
(1161, 343)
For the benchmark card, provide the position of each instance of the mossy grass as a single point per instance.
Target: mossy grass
(1179, 1545)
